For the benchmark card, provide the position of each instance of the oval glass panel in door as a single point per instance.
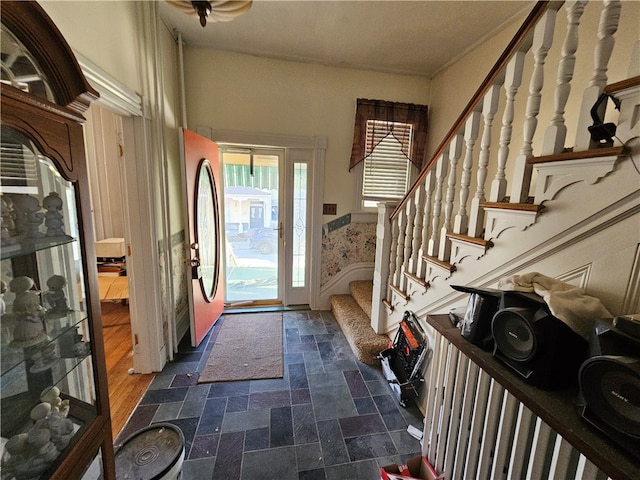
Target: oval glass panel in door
(206, 222)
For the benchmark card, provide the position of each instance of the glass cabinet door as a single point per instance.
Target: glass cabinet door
(47, 390)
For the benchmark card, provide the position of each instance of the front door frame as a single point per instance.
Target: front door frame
(204, 308)
(149, 351)
(317, 147)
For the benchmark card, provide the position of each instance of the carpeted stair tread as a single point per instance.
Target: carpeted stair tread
(362, 293)
(356, 326)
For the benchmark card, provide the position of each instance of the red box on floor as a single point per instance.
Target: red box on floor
(418, 468)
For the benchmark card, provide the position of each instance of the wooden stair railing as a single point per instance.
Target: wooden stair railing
(449, 201)
(518, 40)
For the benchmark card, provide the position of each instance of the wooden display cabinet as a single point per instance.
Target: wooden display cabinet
(55, 419)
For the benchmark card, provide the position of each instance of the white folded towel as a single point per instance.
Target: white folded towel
(566, 302)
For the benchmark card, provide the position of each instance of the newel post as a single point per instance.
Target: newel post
(384, 234)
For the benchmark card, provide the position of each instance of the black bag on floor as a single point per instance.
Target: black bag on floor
(402, 360)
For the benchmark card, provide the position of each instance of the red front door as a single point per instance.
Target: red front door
(202, 199)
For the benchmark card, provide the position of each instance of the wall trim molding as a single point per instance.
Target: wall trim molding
(236, 137)
(340, 283)
(317, 145)
(114, 95)
(529, 260)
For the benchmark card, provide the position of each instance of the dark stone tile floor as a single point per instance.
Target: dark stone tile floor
(330, 417)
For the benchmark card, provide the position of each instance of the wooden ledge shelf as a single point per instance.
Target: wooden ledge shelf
(420, 281)
(520, 207)
(472, 240)
(593, 153)
(556, 408)
(401, 293)
(622, 85)
(440, 263)
(388, 304)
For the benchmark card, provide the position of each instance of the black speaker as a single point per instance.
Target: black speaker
(609, 383)
(602, 134)
(535, 344)
(481, 306)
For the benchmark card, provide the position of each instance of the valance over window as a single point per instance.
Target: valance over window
(390, 112)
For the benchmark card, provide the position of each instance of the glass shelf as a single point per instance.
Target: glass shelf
(27, 247)
(59, 334)
(80, 414)
(40, 377)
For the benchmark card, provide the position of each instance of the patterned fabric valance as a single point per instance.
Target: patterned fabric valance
(390, 112)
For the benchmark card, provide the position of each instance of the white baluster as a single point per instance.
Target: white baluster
(470, 136)
(429, 183)
(609, 20)
(410, 210)
(489, 109)
(441, 173)
(557, 132)
(542, 39)
(455, 152)
(512, 82)
(416, 259)
(402, 226)
(392, 256)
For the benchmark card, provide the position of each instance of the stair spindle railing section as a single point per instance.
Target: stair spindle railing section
(480, 424)
(419, 230)
(472, 127)
(557, 132)
(489, 109)
(513, 80)
(519, 38)
(450, 212)
(429, 186)
(408, 244)
(416, 243)
(441, 174)
(542, 40)
(393, 275)
(609, 20)
(402, 230)
(455, 152)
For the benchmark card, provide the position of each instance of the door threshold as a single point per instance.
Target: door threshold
(262, 307)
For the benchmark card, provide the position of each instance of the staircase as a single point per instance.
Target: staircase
(518, 184)
(503, 194)
(353, 313)
(508, 192)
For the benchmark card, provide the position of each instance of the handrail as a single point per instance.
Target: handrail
(538, 10)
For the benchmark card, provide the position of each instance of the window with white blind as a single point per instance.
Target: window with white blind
(386, 171)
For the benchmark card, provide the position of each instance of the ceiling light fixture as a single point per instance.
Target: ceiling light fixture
(214, 11)
(203, 9)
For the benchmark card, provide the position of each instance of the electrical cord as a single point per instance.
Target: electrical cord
(633, 160)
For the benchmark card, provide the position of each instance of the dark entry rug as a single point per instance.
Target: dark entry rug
(248, 347)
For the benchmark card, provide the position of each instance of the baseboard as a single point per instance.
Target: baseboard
(182, 325)
(340, 283)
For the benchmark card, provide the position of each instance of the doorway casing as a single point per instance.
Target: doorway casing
(311, 149)
(149, 351)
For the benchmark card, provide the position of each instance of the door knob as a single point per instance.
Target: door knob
(196, 271)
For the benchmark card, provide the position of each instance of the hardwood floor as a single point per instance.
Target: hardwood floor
(125, 390)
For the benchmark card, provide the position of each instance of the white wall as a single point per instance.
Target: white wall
(105, 32)
(228, 91)
(452, 88)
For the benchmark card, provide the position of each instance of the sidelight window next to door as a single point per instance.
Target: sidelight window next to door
(265, 224)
